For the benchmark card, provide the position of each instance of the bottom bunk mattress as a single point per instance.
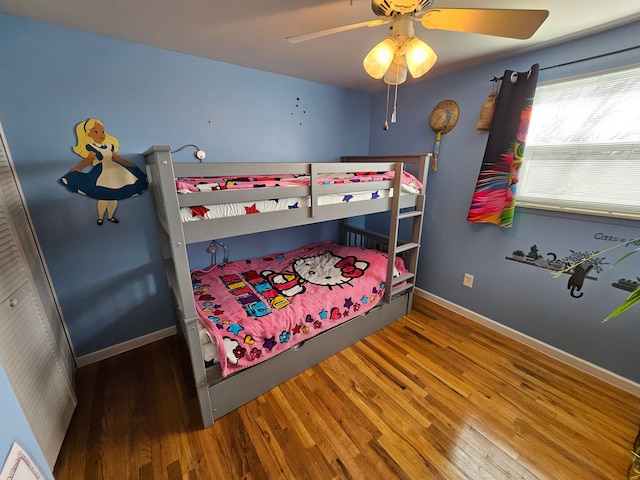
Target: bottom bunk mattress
(254, 309)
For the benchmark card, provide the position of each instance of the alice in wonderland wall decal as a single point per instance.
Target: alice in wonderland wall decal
(111, 178)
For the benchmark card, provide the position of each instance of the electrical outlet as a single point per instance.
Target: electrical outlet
(467, 281)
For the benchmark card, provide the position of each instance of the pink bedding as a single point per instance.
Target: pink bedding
(206, 184)
(255, 309)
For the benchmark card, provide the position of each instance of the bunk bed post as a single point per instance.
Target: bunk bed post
(394, 224)
(417, 219)
(161, 178)
(313, 185)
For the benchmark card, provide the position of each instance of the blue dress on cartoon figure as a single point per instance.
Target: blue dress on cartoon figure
(107, 179)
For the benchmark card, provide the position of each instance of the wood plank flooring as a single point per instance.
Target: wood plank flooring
(432, 396)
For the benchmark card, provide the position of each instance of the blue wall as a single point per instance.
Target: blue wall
(16, 429)
(109, 279)
(520, 296)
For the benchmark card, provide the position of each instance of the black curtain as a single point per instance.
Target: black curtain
(494, 197)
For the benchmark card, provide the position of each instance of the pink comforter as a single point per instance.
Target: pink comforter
(255, 309)
(206, 184)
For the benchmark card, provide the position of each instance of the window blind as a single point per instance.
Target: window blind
(583, 147)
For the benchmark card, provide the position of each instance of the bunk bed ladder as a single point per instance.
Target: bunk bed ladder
(408, 249)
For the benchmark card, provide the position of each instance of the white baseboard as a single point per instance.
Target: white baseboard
(124, 347)
(556, 353)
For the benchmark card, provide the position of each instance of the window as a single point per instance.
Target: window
(583, 148)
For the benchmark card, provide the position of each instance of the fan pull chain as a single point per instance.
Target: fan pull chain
(385, 126)
(395, 98)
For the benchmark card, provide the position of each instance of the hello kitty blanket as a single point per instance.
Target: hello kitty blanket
(255, 309)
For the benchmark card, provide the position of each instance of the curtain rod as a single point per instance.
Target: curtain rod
(496, 79)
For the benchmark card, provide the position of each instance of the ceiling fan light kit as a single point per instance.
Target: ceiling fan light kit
(400, 51)
(397, 72)
(379, 59)
(420, 57)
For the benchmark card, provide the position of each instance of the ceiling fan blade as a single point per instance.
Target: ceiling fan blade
(330, 31)
(520, 24)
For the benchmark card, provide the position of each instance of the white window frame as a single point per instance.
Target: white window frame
(572, 140)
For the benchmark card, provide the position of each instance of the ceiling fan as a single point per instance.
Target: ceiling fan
(402, 50)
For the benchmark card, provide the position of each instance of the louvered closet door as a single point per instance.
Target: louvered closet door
(34, 351)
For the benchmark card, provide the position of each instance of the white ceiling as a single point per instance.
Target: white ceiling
(252, 33)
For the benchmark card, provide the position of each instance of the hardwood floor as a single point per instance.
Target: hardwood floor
(432, 396)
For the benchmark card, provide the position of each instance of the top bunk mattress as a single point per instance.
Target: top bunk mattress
(379, 181)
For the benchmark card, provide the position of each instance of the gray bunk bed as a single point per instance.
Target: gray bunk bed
(218, 395)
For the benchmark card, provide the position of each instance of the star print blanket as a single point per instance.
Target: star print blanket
(255, 309)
